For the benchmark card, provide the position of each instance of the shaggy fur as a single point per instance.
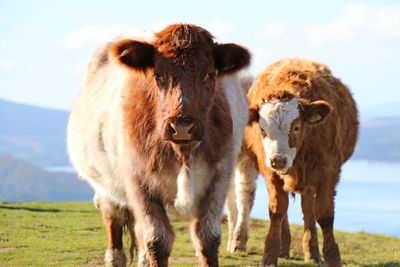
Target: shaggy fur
(121, 141)
(323, 135)
(241, 192)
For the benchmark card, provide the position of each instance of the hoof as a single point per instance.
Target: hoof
(332, 256)
(238, 242)
(266, 263)
(237, 246)
(312, 258)
(115, 258)
(284, 255)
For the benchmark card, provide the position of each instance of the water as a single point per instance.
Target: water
(368, 199)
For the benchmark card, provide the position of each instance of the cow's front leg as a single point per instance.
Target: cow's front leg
(206, 222)
(114, 219)
(278, 205)
(153, 230)
(286, 238)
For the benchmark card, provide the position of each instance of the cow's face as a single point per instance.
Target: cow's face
(282, 125)
(184, 63)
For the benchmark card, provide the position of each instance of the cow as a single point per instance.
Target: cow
(303, 126)
(157, 127)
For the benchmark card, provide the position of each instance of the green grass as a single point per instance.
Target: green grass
(72, 234)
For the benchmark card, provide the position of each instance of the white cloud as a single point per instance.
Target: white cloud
(357, 23)
(92, 36)
(2, 20)
(95, 35)
(360, 45)
(221, 30)
(8, 66)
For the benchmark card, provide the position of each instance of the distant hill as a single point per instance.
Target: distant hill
(32, 136)
(32, 133)
(38, 135)
(379, 140)
(23, 181)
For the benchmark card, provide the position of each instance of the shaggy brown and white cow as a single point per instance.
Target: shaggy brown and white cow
(303, 127)
(157, 126)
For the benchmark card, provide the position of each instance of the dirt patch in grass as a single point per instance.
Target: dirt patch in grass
(6, 249)
(182, 259)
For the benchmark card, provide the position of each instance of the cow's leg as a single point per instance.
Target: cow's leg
(324, 213)
(206, 221)
(206, 237)
(232, 214)
(245, 187)
(114, 218)
(153, 230)
(278, 204)
(310, 238)
(286, 238)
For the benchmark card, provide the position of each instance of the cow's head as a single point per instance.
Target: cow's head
(282, 124)
(184, 63)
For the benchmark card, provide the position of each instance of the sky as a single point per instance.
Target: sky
(45, 46)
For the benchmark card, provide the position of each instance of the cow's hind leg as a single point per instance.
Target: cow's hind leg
(244, 180)
(232, 214)
(114, 218)
(310, 238)
(324, 212)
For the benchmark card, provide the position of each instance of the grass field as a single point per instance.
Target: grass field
(72, 234)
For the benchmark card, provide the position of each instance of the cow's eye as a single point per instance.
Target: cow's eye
(158, 78)
(263, 133)
(210, 76)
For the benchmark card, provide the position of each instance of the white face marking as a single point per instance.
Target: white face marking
(276, 117)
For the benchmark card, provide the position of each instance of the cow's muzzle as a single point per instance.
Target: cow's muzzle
(183, 130)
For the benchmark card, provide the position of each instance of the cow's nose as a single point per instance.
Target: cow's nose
(278, 162)
(182, 127)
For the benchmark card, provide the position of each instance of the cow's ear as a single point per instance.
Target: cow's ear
(253, 115)
(315, 112)
(134, 54)
(254, 112)
(231, 57)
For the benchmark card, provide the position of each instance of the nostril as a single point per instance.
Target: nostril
(173, 127)
(273, 163)
(278, 162)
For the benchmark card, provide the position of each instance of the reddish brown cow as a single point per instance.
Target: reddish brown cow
(158, 126)
(303, 127)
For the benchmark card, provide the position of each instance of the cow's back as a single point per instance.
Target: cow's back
(235, 92)
(94, 138)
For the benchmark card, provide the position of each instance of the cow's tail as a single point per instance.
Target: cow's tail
(128, 221)
(130, 229)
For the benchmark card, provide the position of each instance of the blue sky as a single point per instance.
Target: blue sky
(46, 45)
